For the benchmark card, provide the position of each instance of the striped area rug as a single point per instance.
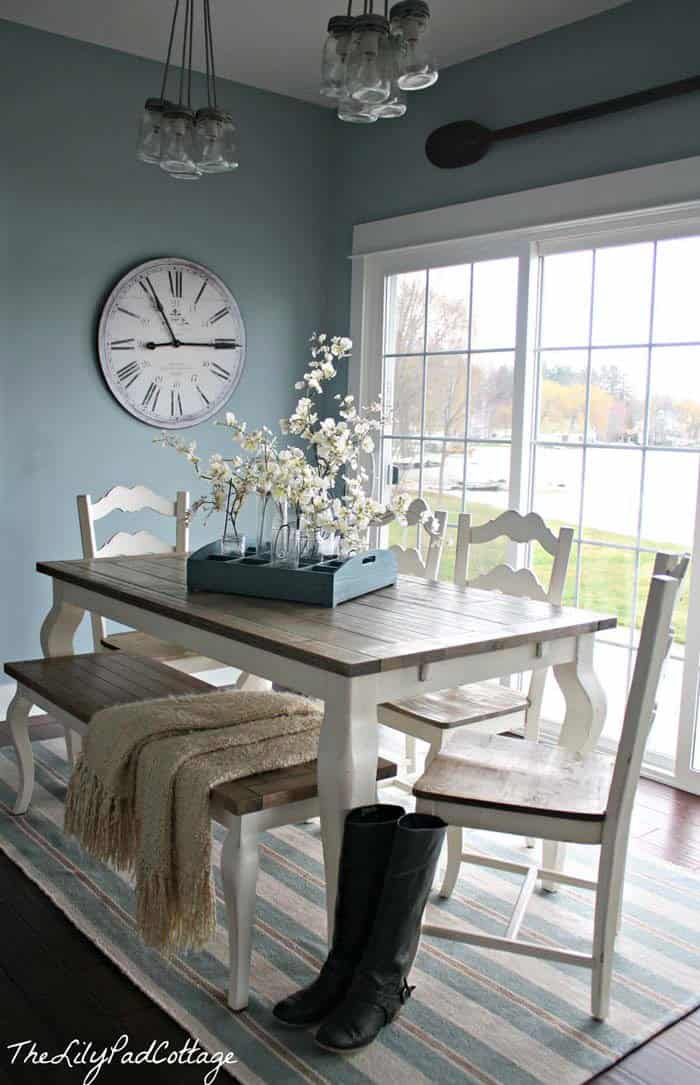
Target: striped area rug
(476, 1018)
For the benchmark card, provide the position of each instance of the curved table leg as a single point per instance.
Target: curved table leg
(583, 723)
(57, 633)
(347, 767)
(18, 723)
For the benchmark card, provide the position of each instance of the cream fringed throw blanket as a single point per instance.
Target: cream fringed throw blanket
(139, 795)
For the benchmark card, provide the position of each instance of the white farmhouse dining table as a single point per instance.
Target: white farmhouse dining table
(403, 641)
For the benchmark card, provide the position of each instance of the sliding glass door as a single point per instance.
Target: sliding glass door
(563, 379)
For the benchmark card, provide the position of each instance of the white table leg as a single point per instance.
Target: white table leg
(57, 633)
(583, 724)
(347, 767)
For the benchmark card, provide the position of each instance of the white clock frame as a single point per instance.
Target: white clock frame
(159, 324)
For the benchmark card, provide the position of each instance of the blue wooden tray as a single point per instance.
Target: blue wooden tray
(324, 584)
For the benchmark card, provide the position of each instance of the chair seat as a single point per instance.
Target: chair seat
(141, 644)
(82, 685)
(511, 774)
(448, 708)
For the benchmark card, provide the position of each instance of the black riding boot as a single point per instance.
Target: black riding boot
(368, 838)
(379, 987)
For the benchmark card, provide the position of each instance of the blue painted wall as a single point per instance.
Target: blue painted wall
(76, 211)
(381, 170)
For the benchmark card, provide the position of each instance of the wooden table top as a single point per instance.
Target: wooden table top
(410, 623)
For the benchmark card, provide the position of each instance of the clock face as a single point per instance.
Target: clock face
(171, 343)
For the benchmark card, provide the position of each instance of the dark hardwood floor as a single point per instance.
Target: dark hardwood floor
(56, 986)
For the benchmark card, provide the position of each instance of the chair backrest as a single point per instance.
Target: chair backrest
(130, 499)
(654, 644)
(504, 578)
(416, 560)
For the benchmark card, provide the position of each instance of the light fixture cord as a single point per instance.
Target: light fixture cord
(189, 59)
(210, 61)
(349, 8)
(184, 53)
(166, 66)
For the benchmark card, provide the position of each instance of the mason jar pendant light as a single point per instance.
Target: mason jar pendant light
(184, 143)
(371, 60)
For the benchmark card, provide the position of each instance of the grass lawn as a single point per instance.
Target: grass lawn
(607, 576)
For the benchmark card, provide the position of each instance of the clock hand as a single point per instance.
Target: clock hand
(161, 310)
(217, 344)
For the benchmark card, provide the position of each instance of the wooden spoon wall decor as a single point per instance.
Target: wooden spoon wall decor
(464, 142)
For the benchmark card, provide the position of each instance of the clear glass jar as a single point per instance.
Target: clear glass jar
(395, 105)
(369, 61)
(354, 112)
(335, 55)
(177, 143)
(215, 148)
(286, 547)
(150, 129)
(410, 20)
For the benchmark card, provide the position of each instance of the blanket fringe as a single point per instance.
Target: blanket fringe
(171, 921)
(101, 822)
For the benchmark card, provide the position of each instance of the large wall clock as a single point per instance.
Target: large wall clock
(171, 343)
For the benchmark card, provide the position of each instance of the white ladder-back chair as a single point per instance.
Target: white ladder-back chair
(423, 560)
(501, 784)
(484, 705)
(141, 543)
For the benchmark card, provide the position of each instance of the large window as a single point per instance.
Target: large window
(564, 379)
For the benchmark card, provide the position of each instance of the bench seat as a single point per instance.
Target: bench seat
(73, 688)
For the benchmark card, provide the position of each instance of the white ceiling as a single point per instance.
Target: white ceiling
(275, 44)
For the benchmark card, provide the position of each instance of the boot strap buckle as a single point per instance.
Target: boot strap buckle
(406, 992)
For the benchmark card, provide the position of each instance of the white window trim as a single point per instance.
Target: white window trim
(609, 209)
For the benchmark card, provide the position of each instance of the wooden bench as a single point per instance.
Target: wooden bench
(73, 688)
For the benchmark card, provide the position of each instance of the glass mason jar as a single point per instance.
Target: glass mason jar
(177, 143)
(150, 129)
(286, 547)
(354, 112)
(335, 55)
(395, 105)
(369, 61)
(410, 20)
(215, 148)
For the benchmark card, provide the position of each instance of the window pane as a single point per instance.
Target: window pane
(675, 396)
(491, 396)
(622, 300)
(488, 474)
(446, 395)
(563, 395)
(401, 467)
(618, 396)
(611, 495)
(607, 582)
(676, 309)
(566, 299)
(403, 393)
(443, 474)
(448, 307)
(494, 305)
(557, 493)
(405, 308)
(668, 516)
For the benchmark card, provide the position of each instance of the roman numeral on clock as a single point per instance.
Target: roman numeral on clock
(201, 291)
(152, 390)
(220, 314)
(219, 371)
(175, 404)
(131, 369)
(128, 312)
(122, 344)
(203, 395)
(175, 279)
